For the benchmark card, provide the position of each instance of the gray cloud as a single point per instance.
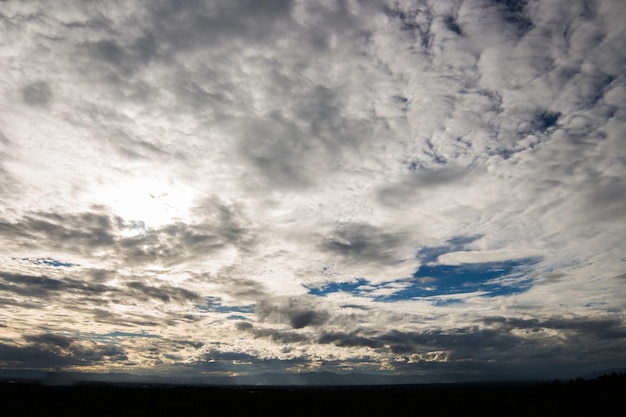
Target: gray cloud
(37, 93)
(47, 351)
(349, 340)
(76, 232)
(598, 329)
(164, 293)
(42, 286)
(47, 288)
(363, 243)
(501, 342)
(298, 312)
(420, 182)
(220, 226)
(276, 335)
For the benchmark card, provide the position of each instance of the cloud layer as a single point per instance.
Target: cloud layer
(226, 187)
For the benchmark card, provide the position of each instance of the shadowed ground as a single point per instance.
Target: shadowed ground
(601, 396)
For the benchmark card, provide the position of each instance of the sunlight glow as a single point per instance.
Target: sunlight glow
(148, 203)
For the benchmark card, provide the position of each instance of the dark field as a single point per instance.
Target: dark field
(605, 396)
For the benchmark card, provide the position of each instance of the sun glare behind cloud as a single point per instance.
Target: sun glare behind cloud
(152, 202)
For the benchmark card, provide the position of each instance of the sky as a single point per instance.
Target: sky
(433, 189)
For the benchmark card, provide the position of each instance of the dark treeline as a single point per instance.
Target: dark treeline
(600, 396)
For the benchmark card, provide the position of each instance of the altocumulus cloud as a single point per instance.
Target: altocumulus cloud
(235, 187)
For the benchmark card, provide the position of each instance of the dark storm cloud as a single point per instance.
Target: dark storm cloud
(298, 312)
(50, 351)
(360, 242)
(303, 318)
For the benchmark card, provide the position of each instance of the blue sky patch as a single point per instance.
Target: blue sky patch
(490, 278)
(431, 253)
(546, 120)
(350, 286)
(131, 334)
(447, 302)
(214, 304)
(236, 317)
(108, 337)
(49, 262)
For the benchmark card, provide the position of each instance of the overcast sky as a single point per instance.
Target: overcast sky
(236, 187)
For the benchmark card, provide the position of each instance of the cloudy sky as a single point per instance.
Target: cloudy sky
(429, 188)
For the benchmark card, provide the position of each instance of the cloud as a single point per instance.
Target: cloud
(51, 352)
(37, 93)
(297, 312)
(363, 185)
(42, 286)
(348, 340)
(276, 335)
(470, 257)
(76, 232)
(362, 243)
(164, 293)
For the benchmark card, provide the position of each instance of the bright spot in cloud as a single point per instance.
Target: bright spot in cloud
(154, 202)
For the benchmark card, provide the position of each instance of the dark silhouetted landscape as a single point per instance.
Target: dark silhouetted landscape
(601, 396)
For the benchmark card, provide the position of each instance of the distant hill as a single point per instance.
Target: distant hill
(593, 375)
(269, 379)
